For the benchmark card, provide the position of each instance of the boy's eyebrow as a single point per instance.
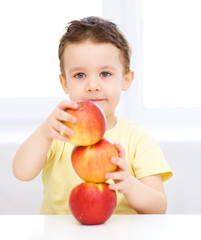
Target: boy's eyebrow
(111, 67)
(104, 67)
(75, 69)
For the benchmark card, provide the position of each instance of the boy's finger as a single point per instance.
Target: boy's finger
(67, 104)
(120, 150)
(117, 186)
(60, 137)
(115, 175)
(61, 128)
(65, 117)
(120, 162)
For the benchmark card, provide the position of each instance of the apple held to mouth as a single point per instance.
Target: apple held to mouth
(92, 203)
(92, 162)
(90, 125)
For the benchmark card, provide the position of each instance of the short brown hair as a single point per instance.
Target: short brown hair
(97, 30)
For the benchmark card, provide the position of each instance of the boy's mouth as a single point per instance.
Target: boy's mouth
(96, 100)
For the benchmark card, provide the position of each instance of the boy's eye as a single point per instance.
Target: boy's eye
(105, 74)
(80, 75)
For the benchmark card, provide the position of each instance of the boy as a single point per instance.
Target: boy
(95, 65)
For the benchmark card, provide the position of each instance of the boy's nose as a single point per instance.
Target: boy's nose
(93, 86)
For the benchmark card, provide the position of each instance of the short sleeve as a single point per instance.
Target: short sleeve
(51, 150)
(49, 158)
(148, 158)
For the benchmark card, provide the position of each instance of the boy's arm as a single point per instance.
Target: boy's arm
(146, 196)
(31, 156)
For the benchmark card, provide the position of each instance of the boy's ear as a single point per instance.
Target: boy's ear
(127, 80)
(63, 83)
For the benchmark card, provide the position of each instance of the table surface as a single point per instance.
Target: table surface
(124, 227)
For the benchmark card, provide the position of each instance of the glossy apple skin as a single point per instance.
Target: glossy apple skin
(90, 125)
(92, 162)
(91, 203)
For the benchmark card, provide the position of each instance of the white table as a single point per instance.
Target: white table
(118, 227)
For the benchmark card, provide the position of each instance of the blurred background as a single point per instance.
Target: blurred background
(165, 97)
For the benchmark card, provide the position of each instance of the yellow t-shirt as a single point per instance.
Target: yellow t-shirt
(143, 156)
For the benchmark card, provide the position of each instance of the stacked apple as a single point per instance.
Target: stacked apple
(91, 202)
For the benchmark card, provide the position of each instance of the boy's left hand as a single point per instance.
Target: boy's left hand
(122, 177)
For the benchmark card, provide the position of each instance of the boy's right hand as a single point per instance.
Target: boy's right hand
(53, 127)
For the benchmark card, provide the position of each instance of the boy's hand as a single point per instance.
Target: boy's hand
(122, 177)
(53, 127)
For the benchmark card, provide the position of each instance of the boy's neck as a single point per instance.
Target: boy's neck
(111, 122)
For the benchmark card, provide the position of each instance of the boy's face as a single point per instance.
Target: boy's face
(94, 71)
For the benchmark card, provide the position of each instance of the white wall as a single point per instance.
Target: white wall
(17, 197)
(184, 188)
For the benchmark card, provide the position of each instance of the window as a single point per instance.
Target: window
(171, 53)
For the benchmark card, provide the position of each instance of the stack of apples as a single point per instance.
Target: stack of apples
(91, 202)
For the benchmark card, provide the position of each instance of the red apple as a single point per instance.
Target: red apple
(92, 203)
(90, 125)
(92, 162)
